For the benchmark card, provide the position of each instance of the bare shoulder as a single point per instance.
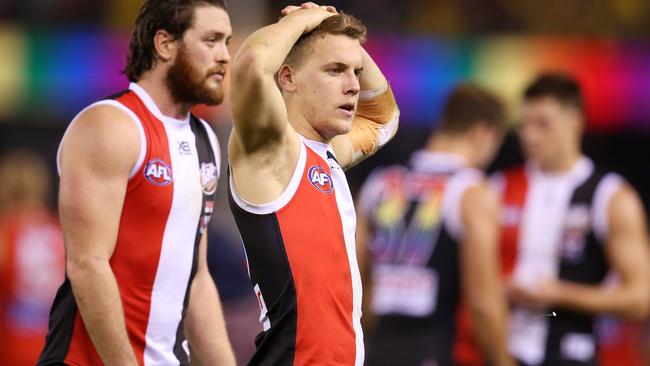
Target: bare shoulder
(274, 164)
(103, 136)
(625, 207)
(479, 200)
(625, 199)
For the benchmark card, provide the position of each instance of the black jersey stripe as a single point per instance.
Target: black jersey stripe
(61, 324)
(206, 156)
(116, 95)
(269, 269)
(589, 266)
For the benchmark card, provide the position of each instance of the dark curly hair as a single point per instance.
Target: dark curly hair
(173, 16)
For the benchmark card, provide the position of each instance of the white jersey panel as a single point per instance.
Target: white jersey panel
(543, 218)
(176, 257)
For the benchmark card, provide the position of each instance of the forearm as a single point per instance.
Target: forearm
(620, 300)
(205, 326)
(376, 122)
(371, 77)
(270, 45)
(98, 300)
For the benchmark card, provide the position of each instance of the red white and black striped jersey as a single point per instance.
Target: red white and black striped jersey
(168, 203)
(554, 226)
(302, 263)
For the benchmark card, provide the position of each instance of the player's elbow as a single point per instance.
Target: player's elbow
(80, 269)
(483, 308)
(638, 305)
(248, 65)
(639, 309)
(644, 310)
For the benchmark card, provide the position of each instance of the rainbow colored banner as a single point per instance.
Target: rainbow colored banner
(615, 76)
(50, 76)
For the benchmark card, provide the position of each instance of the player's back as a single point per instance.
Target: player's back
(415, 225)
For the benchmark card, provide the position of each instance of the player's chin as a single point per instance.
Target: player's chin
(343, 124)
(335, 127)
(214, 96)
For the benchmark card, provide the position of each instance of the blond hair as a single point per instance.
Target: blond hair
(339, 24)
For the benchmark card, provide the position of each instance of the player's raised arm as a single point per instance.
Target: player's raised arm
(259, 112)
(376, 119)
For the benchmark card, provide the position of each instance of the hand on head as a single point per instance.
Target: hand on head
(309, 5)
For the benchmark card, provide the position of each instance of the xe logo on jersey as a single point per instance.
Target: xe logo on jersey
(319, 178)
(158, 172)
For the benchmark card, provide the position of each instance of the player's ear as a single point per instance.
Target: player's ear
(286, 78)
(165, 44)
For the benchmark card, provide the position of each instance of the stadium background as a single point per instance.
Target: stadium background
(56, 56)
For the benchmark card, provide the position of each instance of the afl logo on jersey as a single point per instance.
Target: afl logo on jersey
(209, 178)
(158, 172)
(319, 178)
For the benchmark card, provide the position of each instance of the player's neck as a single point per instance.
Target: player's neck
(303, 127)
(449, 144)
(162, 96)
(561, 164)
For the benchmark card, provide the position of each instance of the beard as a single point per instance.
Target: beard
(189, 85)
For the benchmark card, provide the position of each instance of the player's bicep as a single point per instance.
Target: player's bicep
(479, 243)
(98, 153)
(627, 244)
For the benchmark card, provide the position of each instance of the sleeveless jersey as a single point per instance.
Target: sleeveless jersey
(302, 263)
(555, 225)
(415, 225)
(168, 203)
(31, 268)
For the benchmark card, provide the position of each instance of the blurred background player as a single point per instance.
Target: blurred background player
(566, 225)
(32, 259)
(428, 236)
(307, 102)
(138, 176)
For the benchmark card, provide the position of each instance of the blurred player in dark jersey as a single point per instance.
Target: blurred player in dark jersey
(428, 236)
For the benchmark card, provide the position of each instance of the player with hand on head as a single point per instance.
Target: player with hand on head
(308, 101)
